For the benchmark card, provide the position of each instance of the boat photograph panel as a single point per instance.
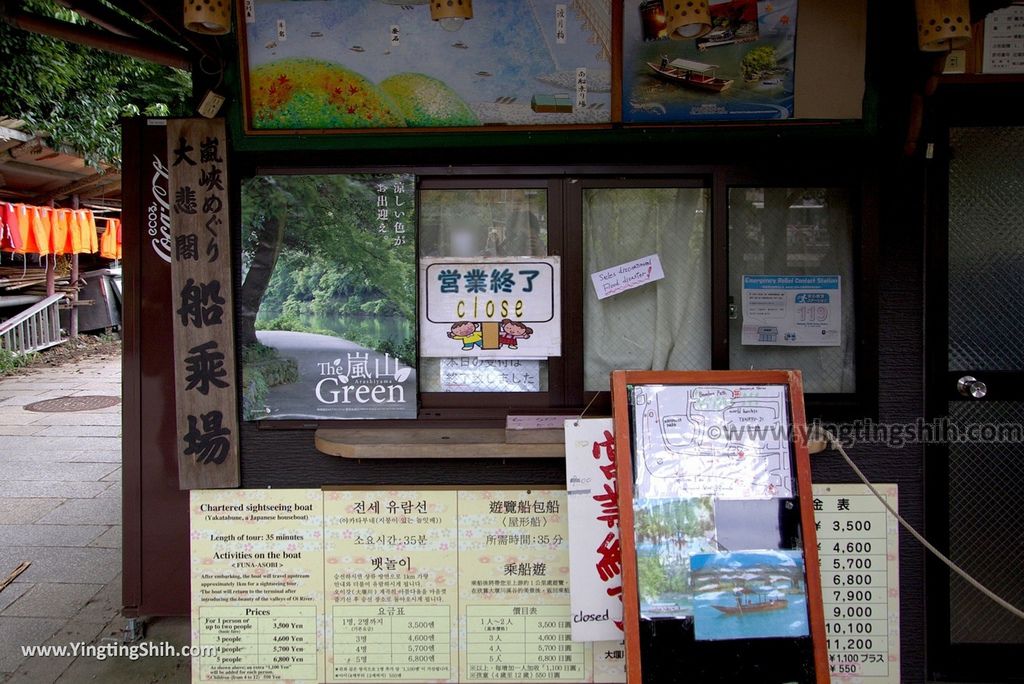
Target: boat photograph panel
(749, 595)
(729, 60)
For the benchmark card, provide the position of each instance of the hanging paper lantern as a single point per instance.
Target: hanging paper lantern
(451, 14)
(687, 18)
(943, 25)
(211, 17)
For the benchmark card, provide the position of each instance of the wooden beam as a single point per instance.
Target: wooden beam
(34, 170)
(102, 16)
(14, 134)
(175, 27)
(73, 187)
(428, 443)
(29, 144)
(101, 40)
(102, 188)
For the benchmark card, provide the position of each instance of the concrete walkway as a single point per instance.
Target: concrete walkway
(60, 509)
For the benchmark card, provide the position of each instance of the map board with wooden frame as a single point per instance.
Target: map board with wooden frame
(719, 554)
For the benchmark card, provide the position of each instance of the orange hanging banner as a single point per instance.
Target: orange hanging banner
(12, 235)
(76, 232)
(108, 243)
(35, 221)
(24, 227)
(59, 231)
(93, 237)
(43, 229)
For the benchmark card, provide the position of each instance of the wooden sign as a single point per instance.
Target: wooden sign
(720, 573)
(202, 310)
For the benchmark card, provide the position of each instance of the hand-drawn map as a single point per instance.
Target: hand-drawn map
(725, 441)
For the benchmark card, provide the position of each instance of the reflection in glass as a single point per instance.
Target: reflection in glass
(793, 231)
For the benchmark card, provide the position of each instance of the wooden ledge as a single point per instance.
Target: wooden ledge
(430, 443)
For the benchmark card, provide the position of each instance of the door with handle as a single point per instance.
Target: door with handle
(970, 386)
(975, 476)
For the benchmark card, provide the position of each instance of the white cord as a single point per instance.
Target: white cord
(837, 445)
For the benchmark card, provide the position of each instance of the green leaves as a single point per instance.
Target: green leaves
(75, 94)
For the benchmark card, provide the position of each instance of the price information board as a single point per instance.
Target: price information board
(858, 548)
(275, 642)
(412, 586)
(417, 637)
(507, 642)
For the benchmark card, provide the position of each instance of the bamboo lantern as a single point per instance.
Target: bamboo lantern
(687, 18)
(451, 14)
(943, 25)
(211, 17)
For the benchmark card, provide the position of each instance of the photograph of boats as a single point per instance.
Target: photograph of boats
(743, 68)
(749, 595)
(668, 532)
(690, 74)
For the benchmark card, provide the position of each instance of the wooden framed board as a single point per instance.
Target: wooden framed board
(721, 581)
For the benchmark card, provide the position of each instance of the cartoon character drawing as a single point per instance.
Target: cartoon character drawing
(512, 332)
(468, 333)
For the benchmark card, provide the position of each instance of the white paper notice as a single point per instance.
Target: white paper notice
(472, 374)
(1004, 41)
(616, 279)
(858, 545)
(792, 311)
(581, 88)
(595, 582)
(496, 308)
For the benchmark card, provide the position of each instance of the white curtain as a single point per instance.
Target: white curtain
(659, 326)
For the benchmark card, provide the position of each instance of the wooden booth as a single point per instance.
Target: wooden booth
(375, 299)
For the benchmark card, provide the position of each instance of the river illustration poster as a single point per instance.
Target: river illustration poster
(327, 303)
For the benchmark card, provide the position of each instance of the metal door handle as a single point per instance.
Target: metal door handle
(970, 386)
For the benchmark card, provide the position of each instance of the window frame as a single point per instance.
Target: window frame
(863, 191)
(441, 403)
(576, 394)
(565, 186)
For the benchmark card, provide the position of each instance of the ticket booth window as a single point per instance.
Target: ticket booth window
(648, 328)
(776, 236)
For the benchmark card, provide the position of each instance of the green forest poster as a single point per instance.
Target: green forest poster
(328, 298)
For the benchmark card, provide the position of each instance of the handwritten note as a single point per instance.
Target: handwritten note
(627, 276)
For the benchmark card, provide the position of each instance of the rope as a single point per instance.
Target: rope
(837, 445)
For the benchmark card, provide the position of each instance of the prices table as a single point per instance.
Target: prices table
(511, 642)
(858, 550)
(395, 643)
(263, 642)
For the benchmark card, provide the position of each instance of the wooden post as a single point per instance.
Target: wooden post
(73, 317)
(51, 270)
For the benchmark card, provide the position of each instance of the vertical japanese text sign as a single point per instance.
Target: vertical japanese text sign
(203, 314)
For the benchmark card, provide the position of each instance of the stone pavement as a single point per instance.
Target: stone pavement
(60, 508)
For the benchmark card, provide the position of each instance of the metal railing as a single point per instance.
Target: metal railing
(35, 328)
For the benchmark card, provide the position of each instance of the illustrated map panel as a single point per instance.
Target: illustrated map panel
(358, 64)
(723, 441)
